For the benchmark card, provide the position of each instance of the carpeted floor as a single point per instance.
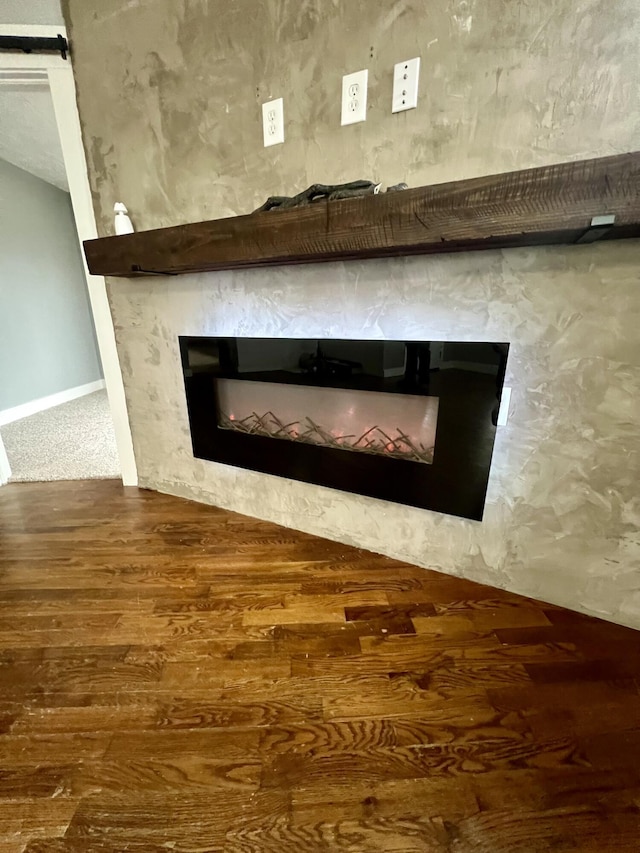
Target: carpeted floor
(74, 441)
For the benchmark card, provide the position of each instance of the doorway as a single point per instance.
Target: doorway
(99, 398)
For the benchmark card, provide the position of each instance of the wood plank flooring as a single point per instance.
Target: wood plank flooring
(177, 677)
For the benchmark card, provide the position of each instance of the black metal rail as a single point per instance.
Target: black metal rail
(33, 44)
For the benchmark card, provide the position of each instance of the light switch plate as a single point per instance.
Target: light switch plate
(273, 122)
(354, 97)
(405, 85)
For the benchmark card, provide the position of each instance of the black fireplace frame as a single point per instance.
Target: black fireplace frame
(456, 482)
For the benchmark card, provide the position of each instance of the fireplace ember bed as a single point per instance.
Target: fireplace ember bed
(407, 421)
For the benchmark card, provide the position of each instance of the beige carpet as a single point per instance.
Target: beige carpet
(74, 441)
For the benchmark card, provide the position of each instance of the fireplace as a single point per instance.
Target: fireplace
(339, 418)
(407, 421)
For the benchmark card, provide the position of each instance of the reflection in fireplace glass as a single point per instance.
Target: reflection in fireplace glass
(399, 425)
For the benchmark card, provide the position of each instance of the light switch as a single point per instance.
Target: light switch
(405, 85)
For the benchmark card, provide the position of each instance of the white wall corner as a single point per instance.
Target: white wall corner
(5, 468)
(64, 103)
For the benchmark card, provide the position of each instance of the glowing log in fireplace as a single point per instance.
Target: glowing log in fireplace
(386, 424)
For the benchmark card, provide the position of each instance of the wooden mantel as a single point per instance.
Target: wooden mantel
(552, 204)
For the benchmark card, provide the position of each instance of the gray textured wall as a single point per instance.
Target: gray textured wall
(170, 94)
(170, 102)
(47, 341)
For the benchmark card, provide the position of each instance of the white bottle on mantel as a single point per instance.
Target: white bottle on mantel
(122, 222)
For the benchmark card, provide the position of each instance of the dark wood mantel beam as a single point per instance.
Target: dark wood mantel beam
(551, 204)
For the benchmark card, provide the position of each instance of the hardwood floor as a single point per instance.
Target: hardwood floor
(178, 677)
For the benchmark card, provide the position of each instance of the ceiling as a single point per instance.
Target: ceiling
(28, 132)
(31, 12)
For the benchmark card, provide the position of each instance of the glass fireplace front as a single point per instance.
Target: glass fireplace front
(405, 421)
(402, 426)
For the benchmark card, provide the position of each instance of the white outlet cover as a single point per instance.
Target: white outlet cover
(354, 97)
(273, 122)
(405, 85)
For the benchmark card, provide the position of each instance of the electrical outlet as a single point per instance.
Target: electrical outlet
(354, 97)
(405, 85)
(273, 122)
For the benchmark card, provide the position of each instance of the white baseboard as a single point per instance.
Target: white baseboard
(26, 409)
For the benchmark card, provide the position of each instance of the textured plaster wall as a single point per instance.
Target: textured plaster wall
(170, 96)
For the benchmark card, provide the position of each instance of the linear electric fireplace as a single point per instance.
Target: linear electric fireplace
(407, 421)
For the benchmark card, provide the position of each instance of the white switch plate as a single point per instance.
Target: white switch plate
(503, 412)
(354, 97)
(273, 122)
(405, 85)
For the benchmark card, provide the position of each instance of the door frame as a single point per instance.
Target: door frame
(56, 73)
(5, 468)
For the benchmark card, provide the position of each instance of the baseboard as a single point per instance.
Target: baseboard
(26, 409)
